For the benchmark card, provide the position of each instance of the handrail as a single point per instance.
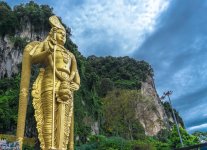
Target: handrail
(193, 147)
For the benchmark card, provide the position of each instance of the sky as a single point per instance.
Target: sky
(171, 35)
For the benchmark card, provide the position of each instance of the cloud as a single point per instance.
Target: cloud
(111, 27)
(195, 115)
(198, 128)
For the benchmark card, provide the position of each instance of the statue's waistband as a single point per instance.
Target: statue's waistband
(61, 73)
(58, 69)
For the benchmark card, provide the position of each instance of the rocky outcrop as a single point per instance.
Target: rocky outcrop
(10, 58)
(10, 55)
(151, 113)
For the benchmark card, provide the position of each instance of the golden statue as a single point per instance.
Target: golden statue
(52, 91)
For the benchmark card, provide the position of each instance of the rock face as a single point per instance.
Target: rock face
(10, 58)
(10, 55)
(153, 117)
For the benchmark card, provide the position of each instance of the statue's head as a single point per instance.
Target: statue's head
(61, 36)
(57, 32)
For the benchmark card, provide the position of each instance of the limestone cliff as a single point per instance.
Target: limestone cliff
(11, 52)
(10, 58)
(156, 118)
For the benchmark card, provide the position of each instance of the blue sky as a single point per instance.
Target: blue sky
(169, 34)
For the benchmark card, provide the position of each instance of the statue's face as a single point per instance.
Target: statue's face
(61, 36)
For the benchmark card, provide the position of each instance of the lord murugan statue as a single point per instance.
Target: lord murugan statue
(52, 91)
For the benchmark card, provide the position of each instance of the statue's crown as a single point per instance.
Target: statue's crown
(55, 22)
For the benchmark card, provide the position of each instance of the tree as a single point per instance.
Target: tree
(8, 20)
(169, 114)
(201, 135)
(105, 85)
(188, 139)
(9, 89)
(119, 114)
(36, 15)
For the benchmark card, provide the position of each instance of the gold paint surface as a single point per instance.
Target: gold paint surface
(52, 91)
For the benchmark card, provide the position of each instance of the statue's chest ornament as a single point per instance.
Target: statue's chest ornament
(65, 54)
(66, 57)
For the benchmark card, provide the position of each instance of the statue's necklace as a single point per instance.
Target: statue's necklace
(65, 54)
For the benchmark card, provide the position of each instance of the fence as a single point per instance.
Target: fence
(202, 146)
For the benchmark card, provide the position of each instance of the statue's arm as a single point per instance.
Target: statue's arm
(73, 67)
(74, 75)
(75, 84)
(40, 53)
(77, 78)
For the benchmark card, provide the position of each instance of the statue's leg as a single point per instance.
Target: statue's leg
(64, 123)
(47, 113)
(60, 123)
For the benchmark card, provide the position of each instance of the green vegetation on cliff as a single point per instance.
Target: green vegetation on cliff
(14, 20)
(9, 91)
(8, 20)
(169, 114)
(120, 115)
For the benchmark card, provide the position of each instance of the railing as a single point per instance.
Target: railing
(202, 146)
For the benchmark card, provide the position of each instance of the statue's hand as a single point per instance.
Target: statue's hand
(74, 86)
(51, 44)
(52, 41)
(64, 91)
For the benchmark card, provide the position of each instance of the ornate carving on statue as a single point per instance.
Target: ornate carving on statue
(24, 92)
(52, 91)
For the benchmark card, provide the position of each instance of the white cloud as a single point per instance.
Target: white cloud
(195, 111)
(126, 22)
(178, 81)
(192, 75)
(198, 127)
(184, 77)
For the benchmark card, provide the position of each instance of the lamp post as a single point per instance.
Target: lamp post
(168, 93)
